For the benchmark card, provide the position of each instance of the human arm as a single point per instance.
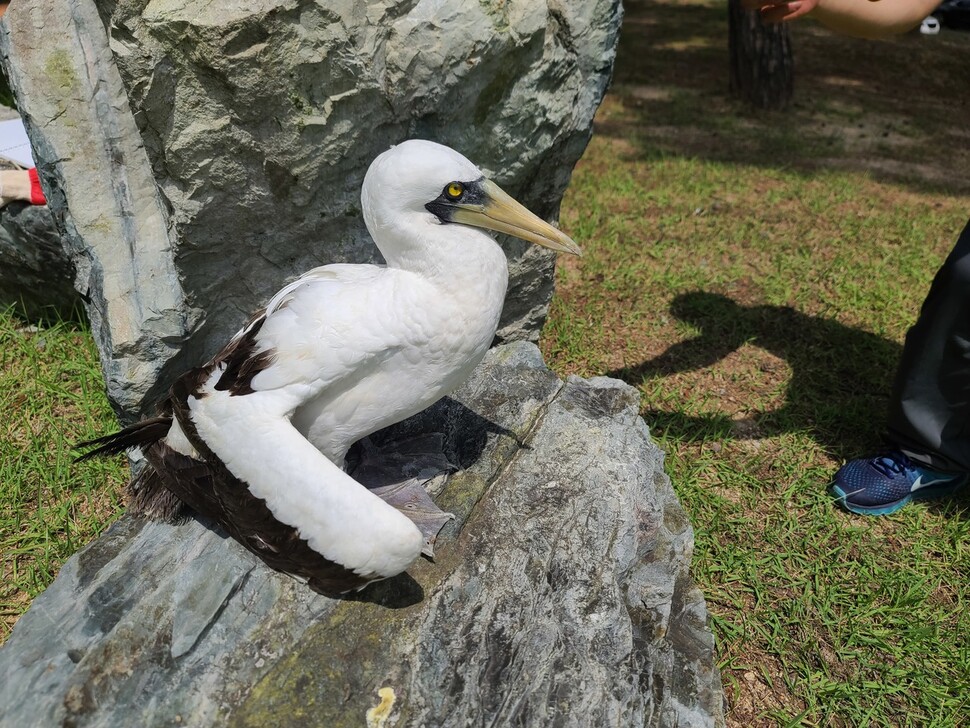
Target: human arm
(860, 18)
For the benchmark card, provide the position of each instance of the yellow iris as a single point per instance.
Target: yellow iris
(455, 190)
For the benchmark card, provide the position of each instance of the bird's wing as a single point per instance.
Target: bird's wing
(340, 520)
(235, 411)
(311, 334)
(212, 491)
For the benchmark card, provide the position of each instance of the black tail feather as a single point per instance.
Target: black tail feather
(148, 496)
(141, 434)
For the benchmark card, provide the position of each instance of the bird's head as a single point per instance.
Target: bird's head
(438, 185)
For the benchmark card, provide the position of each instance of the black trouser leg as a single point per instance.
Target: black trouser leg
(929, 416)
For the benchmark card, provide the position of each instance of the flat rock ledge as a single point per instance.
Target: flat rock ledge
(559, 596)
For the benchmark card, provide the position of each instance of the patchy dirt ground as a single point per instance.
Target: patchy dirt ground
(894, 108)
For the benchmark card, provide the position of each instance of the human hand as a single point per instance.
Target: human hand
(776, 11)
(22, 185)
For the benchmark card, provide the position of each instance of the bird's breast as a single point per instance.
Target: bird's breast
(440, 334)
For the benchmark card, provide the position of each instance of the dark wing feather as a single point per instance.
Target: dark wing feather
(148, 496)
(146, 492)
(141, 434)
(204, 483)
(212, 491)
(242, 360)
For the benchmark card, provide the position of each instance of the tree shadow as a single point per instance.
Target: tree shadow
(840, 376)
(464, 433)
(854, 107)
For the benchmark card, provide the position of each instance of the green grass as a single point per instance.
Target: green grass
(52, 391)
(753, 274)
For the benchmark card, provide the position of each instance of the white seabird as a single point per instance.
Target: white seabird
(256, 439)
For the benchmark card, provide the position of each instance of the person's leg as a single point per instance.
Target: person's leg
(929, 417)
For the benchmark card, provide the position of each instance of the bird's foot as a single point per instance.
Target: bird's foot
(410, 497)
(398, 471)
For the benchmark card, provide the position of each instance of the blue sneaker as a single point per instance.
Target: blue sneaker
(885, 483)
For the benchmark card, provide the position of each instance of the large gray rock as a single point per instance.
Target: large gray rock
(199, 153)
(559, 596)
(36, 275)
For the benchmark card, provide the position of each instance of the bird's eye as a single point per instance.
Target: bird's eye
(455, 190)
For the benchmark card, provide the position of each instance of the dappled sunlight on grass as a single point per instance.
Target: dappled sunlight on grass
(856, 105)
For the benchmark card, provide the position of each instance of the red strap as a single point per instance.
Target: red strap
(36, 193)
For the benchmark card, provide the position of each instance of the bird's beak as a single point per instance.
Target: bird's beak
(498, 211)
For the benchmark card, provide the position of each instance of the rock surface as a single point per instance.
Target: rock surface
(560, 595)
(198, 153)
(36, 276)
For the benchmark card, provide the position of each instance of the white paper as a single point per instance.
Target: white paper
(14, 144)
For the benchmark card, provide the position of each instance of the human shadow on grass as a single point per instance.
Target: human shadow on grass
(840, 378)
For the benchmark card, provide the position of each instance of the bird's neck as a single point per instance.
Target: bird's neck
(457, 255)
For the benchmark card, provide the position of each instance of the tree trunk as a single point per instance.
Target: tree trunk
(762, 68)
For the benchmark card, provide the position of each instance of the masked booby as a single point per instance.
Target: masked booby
(256, 439)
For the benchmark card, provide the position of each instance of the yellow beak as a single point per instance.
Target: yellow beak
(501, 213)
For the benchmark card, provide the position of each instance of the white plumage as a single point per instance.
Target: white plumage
(346, 350)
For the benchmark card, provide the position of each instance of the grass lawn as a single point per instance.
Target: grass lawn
(53, 393)
(753, 275)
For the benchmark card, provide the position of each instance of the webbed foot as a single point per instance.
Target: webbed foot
(397, 472)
